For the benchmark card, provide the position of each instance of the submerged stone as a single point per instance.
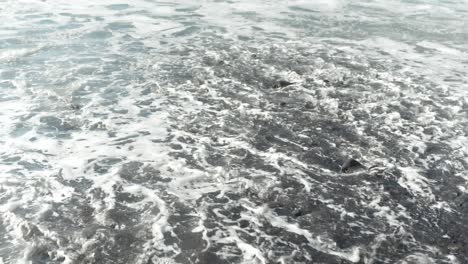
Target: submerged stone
(282, 83)
(351, 165)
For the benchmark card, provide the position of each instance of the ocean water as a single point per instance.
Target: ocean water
(215, 131)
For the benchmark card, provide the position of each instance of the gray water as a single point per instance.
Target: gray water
(215, 131)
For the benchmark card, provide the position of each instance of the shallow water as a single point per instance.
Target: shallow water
(214, 131)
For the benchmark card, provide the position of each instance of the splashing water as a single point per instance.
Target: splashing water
(215, 131)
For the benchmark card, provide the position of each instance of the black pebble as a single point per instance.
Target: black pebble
(350, 165)
(282, 84)
(298, 213)
(283, 104)
(75, 106)
(243, 224)
(309, 105)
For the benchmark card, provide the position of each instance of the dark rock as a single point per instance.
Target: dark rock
(298, 213)
(244, 224)
(309, 105)
(75, 106)
(351, 165)
(282, 83)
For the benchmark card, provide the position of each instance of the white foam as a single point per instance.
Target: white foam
(75, 157)
(418, 258)
(9, 55)
(391, 217)
(415, 183)
(319, 5)
(314, 241)
(453, 259)
(440, 48)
